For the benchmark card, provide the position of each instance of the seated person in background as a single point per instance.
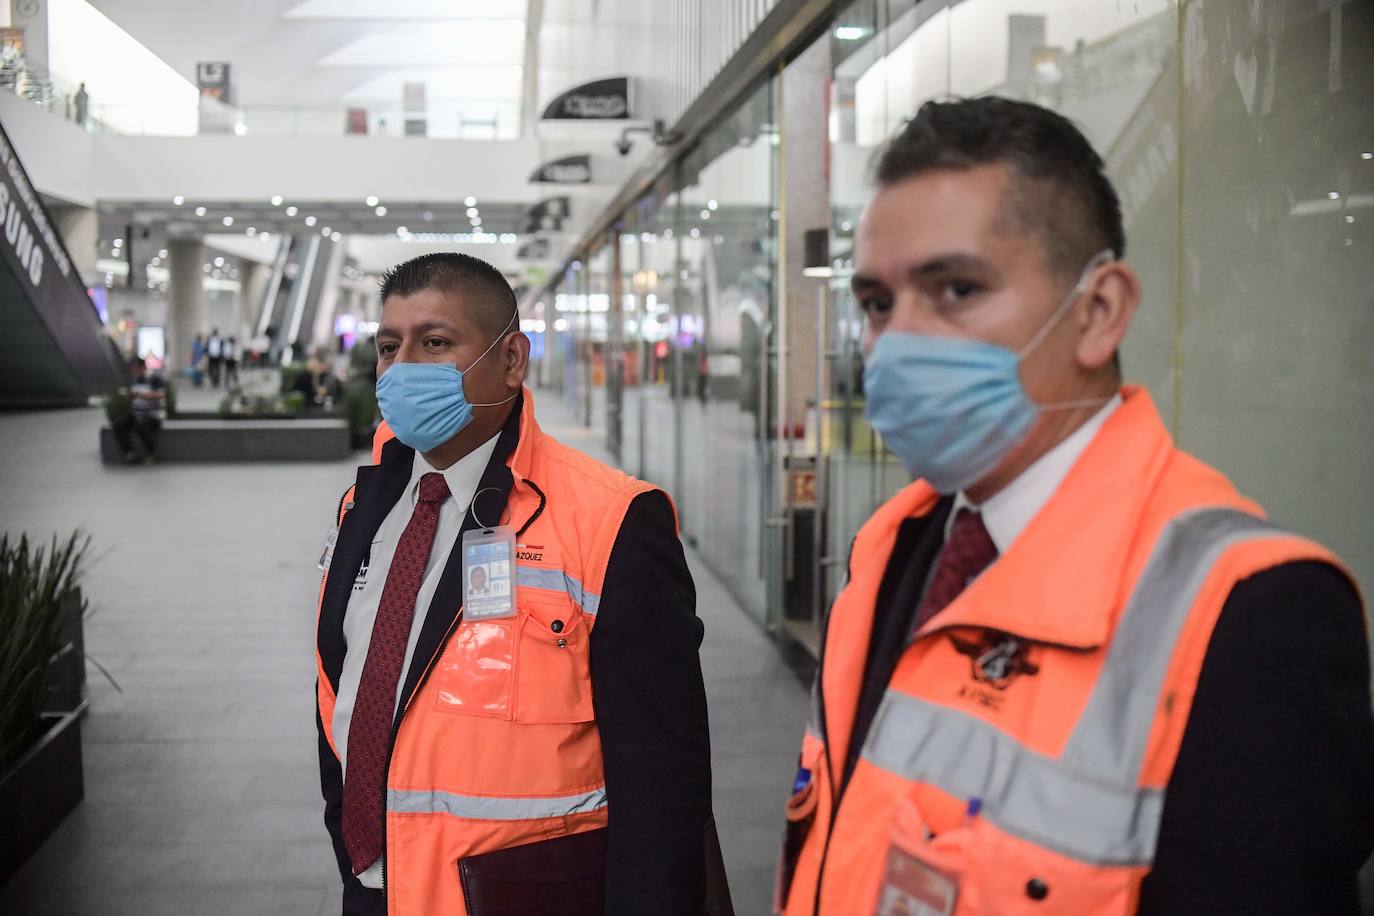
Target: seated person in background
(147, 395)
(318, 381)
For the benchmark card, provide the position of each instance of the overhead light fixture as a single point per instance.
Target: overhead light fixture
(228, 221)
(264, 236)
(472, 201)
(472, 211)
(310, 220)
(401, 230)
(1334, 195)
(117, 242)
(276, 200)
(178, 200)
(219, 262)
(291, 211)
(1367, 155)
(371, 200)
(162, 252)
(711, 205)
(252, 230)
(200, 211)
(380, 211)
(336, 236)
(326, 231)
(705, 214)
(850, 32)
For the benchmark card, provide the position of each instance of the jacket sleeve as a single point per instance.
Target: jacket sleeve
(331, 787)
(651, 712)
(1270, 808)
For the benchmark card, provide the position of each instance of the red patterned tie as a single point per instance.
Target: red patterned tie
(967, 553)
(369, 731)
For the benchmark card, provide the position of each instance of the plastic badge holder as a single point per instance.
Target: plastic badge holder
(488, 568)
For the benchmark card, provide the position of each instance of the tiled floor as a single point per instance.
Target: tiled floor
(201, 780)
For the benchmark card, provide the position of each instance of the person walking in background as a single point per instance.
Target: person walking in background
(147, 396)
(214, 351)
(197, 367)
(232, 354)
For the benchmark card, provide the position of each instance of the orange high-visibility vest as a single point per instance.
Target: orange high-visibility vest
(498, 746)
(1055, 690)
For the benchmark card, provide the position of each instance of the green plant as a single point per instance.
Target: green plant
(37, 584)
(360, 404)
(294, 402)
(118, 405)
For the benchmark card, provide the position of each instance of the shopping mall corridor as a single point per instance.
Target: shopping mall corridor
(201, 782)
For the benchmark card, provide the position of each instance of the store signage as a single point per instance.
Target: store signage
(212, 77)
(546, 216)
(535, 250)
(595, 101)
(32, 250)
(568, 170)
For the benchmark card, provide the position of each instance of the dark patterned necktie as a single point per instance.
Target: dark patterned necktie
(369, 730)
(967, 553)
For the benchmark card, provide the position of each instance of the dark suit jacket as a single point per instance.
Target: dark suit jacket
(1270, 808)
(647, 689)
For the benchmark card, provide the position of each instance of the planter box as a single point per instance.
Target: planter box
(40, 790)
(291, 439)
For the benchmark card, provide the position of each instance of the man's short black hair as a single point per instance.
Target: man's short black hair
(1060, 187)
(137, 363)
(449, 271)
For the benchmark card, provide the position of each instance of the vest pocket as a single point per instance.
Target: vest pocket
(553, 671)
(925, 872)
(475, 674)
(1011, 875)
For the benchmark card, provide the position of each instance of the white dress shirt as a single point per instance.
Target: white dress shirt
(463, 477)
(1008, 511)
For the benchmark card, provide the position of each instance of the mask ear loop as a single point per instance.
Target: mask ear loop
(484, 353)
(1105, 256)
(472, 506)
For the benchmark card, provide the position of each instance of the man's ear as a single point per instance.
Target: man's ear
(517, 359)
(1105, 315)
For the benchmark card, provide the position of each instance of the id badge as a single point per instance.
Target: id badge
(912, 887)
(327, 553)
(488, 568)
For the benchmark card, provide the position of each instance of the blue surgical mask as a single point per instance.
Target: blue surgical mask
(952, 408)
(424, 403)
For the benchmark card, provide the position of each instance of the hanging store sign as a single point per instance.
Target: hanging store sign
(568, 170)
(536, 250)
(212, 78)
(607, 99)
(546, 216)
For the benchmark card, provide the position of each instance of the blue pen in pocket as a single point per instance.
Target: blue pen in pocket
(802, 781)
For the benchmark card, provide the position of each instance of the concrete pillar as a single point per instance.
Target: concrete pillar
(252, 288)
(32, 17)
(805, 205)
(185, 300)
(80, 228)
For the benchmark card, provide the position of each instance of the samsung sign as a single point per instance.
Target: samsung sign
(607, 99)
(30, 244)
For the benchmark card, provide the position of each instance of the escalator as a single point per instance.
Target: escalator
(53, 347)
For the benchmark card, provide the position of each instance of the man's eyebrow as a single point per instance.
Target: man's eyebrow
(385, 331)
(947, 263)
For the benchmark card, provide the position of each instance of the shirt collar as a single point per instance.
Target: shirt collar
(463, 476)
(1007, 512)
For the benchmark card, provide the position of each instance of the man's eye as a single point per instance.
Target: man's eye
(875, 306)
(960, 289)
(435, 343)
(386, 349)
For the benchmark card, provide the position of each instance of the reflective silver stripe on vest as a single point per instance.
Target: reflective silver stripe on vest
(556, 580)
(492, 808)
(1086, 803)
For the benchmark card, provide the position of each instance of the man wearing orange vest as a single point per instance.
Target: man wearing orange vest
(1073, 670)
(538, 744)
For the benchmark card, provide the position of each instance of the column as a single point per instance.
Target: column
(252, 288)
(80, 229)
(805, 205)
(185, 300)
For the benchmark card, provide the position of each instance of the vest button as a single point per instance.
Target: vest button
(556, 626)
(1037, 889)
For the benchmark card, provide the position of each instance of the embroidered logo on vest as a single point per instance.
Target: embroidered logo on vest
(997, 659)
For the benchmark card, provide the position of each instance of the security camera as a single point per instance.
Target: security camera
(658, 133)
(623, 146)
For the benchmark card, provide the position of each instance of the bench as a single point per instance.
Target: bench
(296, 439)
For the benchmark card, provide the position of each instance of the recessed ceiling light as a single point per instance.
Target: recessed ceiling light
(711, 205)
(1367, 155)
(178, 200)
(252, 230)
(117, 242)
(336, 236)
(380, 211)
(310, 220)
(228, 221)
(705, 214)
(472, 211)
(371, 200)
(401, 230)
(276, 200)
(1334, 195)
(469, 201)
(264, 236)
(200, 211)
(162, 252)
(291, 211)
(326, 231)
(219, 262)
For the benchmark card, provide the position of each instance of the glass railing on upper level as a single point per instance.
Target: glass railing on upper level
(466, 119)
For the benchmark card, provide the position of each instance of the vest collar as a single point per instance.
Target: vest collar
(1062, 578)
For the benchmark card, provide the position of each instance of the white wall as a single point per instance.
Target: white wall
(56, 153)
